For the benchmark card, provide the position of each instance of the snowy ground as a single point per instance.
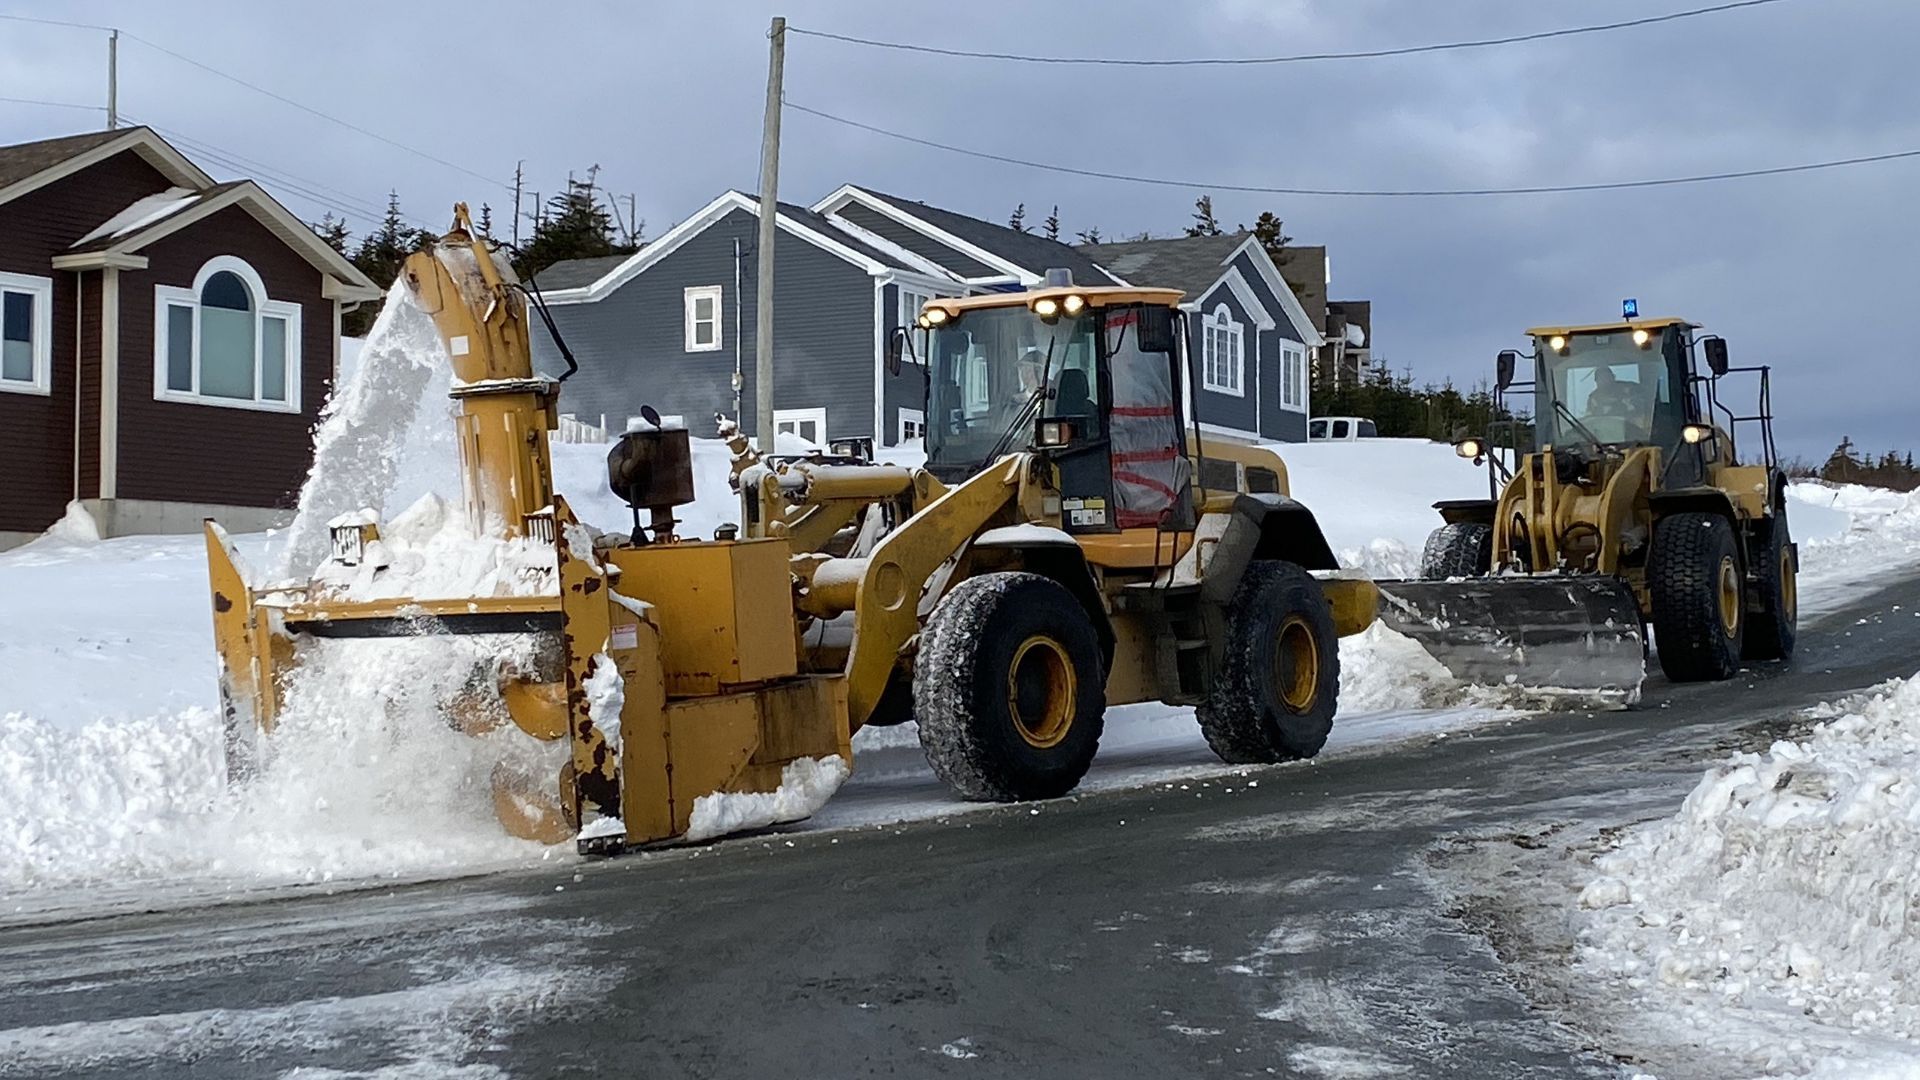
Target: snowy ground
(110, 758)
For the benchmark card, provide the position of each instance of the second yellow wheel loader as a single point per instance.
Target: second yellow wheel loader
(1638, 508)
(1066, 549)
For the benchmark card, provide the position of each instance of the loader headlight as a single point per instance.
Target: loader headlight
(1641, 338)
(936, 316)
(1054, 433)
(1696, 433)
(1046, 307)
(1557, 343)
(1468, 448)
(1073, 304)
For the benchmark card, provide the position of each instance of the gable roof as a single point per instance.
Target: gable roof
(121, 248)
(1191, 264)
(573, 273)
(1305, 268)
(26, 167)
(1025, 255)
(796, 221)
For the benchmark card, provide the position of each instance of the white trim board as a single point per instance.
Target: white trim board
(847, 193)
(152, 149)
(702, 219)
(1271, 275)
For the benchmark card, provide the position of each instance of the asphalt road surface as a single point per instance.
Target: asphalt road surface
(1334, 919)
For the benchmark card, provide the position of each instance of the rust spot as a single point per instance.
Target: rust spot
(592, 585)
(599, 755)
(221, 604)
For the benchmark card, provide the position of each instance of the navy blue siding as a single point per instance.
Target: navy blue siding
(927, 248)
(1245, 264)
(631, 343)
(907, 390)
(1224, 410)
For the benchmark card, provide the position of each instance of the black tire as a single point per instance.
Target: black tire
(1266, 704)
(1009, 689)
(1697, 627)
(1456, 550)
(1772, 631)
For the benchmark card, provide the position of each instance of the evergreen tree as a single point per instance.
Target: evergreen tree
(333, 230)
(1052, 224)
(576, 225)
(1271, 233)
(380, 256)
(1089, 235)
(1204, 223)
(486, 221)
(1018, 222)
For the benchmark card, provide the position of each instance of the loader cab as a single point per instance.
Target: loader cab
(1614, 387)
(1085, 377)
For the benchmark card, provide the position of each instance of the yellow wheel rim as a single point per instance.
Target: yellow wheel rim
(1729, 596)
(1789, 587)
(1042, 691)
(1296, 665)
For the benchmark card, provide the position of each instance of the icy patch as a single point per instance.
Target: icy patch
(1780, 900)
(959, 1050)
(805, 786)
(1341, 1063)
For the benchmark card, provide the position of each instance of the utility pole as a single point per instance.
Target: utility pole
(769, 211)
(633, 226)
(113, 79)
(519, 167)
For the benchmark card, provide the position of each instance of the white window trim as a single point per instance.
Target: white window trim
(1293, 377)
(165, 296)
(697, 292)
(41, 289)
(796, 417)
(903, 417)
(1213, 366)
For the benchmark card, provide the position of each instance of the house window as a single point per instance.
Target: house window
(225, 342)
(913, 425)
(1293, 376)
(1223, 363)
(911, 301)
(703, 318)
(26, 333)
(809, 424)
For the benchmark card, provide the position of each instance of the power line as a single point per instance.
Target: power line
(348, 124)
(1223, 61)
(55, 22)
(265, 169)
(53, 104)
(1197, 185)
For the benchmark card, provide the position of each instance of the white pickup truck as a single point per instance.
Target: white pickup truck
(1340, 429)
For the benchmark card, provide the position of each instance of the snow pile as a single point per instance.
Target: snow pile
(1381, 670)
(1784, 897)
(143, 212)
(805, 786)
(366, 425)
(1374, 499)
(1849, 537)
(427, 552)
(76, 526)
(606, 696)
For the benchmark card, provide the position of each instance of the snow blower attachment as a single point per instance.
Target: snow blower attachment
(1064, 550)
(1635, 509)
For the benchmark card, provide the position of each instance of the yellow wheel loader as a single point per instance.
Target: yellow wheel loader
(1064, 550)
(1637, 508)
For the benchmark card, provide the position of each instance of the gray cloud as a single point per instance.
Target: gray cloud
(1811, 273)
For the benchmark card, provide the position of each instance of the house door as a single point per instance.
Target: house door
(808, 424)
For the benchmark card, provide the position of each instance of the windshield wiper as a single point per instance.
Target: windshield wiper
(1561, 408)
(1023, 420)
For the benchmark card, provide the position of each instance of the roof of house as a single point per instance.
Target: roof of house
(573, 273)
(822, 223)
(124, 231)
(21, 160)
(1188, 263)
(1031, 251)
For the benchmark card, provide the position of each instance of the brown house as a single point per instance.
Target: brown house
(166, 342)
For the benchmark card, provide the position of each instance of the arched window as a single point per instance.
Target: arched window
(225, 342)
(1223, 364)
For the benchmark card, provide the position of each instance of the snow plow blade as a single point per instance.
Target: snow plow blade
(1547, 633)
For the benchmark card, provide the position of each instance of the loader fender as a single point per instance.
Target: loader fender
(1693, 500)
(1264, 526)
(1067, 565)
(1466, 511)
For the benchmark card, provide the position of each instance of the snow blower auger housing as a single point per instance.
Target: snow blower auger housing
(1636, 508)
(1064, 550)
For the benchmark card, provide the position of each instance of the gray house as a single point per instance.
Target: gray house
(1251, 340)
(672, 325)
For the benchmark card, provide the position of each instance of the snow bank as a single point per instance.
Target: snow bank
(1780, 907)
(1849, 537)
(76, 526)
(805, 786)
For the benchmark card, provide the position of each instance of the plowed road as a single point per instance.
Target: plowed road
(1343, 918)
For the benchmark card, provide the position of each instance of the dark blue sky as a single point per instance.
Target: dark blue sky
(1812, 273)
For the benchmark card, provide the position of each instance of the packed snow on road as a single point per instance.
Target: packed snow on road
(111, 756)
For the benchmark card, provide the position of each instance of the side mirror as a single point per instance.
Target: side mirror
(1716, 354)
(1155, 329)
(1503, 366)
(899, 347)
